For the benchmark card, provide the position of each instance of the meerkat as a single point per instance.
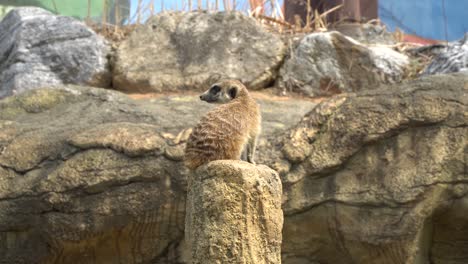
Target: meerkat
(228, 130)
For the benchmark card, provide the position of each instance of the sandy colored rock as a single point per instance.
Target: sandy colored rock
(191, 50)
(380, 177)
(84, 181)
(133, 139)
(234, 214)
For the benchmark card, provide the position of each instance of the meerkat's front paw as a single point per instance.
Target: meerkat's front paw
(251, 161)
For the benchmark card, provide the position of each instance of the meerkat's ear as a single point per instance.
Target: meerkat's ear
(233, 92)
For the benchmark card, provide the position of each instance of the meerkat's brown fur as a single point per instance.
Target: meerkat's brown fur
(224, 132)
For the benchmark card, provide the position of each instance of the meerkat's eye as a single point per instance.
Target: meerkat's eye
(215, 89)
(233, 92)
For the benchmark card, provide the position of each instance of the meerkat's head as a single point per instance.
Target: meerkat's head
(224, 92)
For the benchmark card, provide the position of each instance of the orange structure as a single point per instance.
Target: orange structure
(257, 6)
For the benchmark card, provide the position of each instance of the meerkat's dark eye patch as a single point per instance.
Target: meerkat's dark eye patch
(233, 92)
(215, 89)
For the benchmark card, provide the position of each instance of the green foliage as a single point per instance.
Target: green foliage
(83, 9)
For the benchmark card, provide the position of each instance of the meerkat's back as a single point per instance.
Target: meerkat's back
(225, 131)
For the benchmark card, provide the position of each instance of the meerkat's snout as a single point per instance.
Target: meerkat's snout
(207, 97)
(212, 95)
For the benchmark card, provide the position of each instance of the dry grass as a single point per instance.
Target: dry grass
(267, 12)
(114, 34)
(418, 61)
(416, 66)
(315, 21)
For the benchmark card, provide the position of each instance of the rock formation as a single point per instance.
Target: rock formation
(377, 177)
(179, 51)
(234, 214)
(330, 63)
(90, 175)
(39, 49)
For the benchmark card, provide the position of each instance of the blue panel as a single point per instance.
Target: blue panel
(427, 18)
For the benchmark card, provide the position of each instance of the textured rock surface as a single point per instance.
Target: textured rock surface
(366, 33)
(92, 176)
(330, 63)
(234, 214)
(380, 177)
(454, 58)
(176, 50)
(40, 49)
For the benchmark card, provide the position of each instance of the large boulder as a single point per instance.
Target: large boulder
(188, 50)
(89, 175)
(452, 58)
(379, 177)
(330, 63)
(40, 49)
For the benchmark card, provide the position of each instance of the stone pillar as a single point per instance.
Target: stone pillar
(234, 214)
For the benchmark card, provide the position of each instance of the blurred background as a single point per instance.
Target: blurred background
(425, 21)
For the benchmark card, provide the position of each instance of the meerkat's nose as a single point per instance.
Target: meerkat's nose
(201, 97)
